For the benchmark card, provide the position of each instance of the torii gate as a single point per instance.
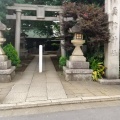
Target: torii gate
(111, 49)
(40, 16)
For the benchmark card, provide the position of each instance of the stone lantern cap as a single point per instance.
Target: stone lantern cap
(2, 26)
(75, 29)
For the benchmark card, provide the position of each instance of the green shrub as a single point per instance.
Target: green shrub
(62, 61)
(98, 72)
(12, 54)
(98, 68)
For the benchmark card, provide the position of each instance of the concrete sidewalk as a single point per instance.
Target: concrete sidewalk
(33, 89)
(35, 86)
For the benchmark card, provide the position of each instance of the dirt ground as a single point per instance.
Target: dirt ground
(55, 61)
(24, 63)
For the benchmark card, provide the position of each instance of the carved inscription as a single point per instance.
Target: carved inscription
(113, 39)
(113, 25)
(114, 53)
(115, 11)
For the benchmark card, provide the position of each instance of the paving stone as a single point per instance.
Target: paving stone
(15, 98)
(26, 81)
(2, 96)
(53, 80)
(5, 91)
(88, 95)
(71, 96)
(38, 84)
(51, 74)
(55, 91)
(36, 98)
(37, 91)
(19, 88)
(99, 94)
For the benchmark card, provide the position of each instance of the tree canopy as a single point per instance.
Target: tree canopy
(43, 28)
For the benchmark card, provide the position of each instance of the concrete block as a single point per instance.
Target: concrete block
(77, 64)
(109, 81)
(5, 65)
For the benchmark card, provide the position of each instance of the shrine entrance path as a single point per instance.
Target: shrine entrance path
(33, 89)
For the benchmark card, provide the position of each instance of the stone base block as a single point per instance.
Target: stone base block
(77, 65)
(3, 58)
(72, 71)
(77, 58)
(7, 78)
(77, 77)
(5, 65)
(7, 75)
(7, 71)
(109, 81)
(77, 74)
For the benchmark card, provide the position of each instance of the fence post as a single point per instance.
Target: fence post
(40, 58)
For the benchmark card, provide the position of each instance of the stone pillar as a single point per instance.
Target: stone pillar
(63, 53)
(112, 8)
(18, 30)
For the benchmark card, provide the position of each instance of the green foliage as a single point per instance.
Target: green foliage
(97, 66)
(12, 54)
(62, 61)
(98, 70)
(55, 44)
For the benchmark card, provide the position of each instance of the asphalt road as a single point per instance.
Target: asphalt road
(108, 113)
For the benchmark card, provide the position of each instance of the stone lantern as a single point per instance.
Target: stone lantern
(7, 71)
(78, 41)
(76, 67)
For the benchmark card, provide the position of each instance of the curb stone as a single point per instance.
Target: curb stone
(59, 102)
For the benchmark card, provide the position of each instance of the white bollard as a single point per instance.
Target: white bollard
(40, 58)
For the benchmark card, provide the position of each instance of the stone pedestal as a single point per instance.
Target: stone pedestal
(77, 68)
(7, 72)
